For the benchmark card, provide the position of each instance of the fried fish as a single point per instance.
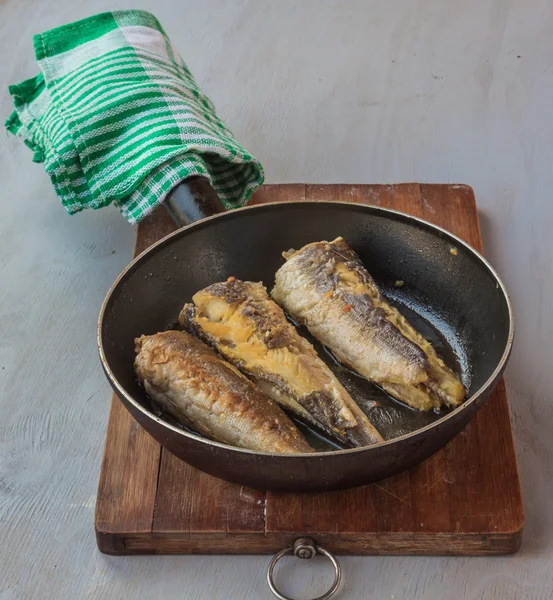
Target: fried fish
(249, 330)
(201, 390)
(325, 286)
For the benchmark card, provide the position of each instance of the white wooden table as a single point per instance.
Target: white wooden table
(352, 92)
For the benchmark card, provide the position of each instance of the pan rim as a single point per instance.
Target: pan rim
(484, 388)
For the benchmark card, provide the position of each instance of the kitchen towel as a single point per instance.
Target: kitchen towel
(115, 116)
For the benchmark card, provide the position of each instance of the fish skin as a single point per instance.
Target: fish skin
(251, 331)
(201, 390)
(325, 286)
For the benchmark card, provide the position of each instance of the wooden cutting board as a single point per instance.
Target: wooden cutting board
(465, 499)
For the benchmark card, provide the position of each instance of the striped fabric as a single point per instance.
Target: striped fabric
(115, 116)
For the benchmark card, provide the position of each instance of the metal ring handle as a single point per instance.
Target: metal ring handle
(304, 548)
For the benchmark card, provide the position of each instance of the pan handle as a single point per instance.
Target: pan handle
(192, 200)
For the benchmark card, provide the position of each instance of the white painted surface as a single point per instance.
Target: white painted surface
(358, 92)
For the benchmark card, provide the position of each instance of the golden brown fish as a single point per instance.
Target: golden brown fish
(201, 390)
(325, 286)
(251, 331)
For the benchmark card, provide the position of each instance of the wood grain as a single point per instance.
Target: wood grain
(193, 502)
(463, 500)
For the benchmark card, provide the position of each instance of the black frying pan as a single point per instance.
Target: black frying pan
(452, 295)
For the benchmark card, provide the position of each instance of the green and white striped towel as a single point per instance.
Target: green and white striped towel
(116, 116)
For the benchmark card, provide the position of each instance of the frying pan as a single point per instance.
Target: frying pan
(447, 285)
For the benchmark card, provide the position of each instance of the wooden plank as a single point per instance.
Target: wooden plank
(129, 473)
(463, 500)
(154, 227)
(286, 192)
(128, 481)
(183, 505)
(452, 207)
(486, 479)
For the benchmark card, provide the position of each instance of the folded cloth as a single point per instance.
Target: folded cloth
(115, 116)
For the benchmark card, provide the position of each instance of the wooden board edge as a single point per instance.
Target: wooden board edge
(399, 544)
(101, 498)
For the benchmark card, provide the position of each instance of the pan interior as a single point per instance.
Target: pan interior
(446, 291)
